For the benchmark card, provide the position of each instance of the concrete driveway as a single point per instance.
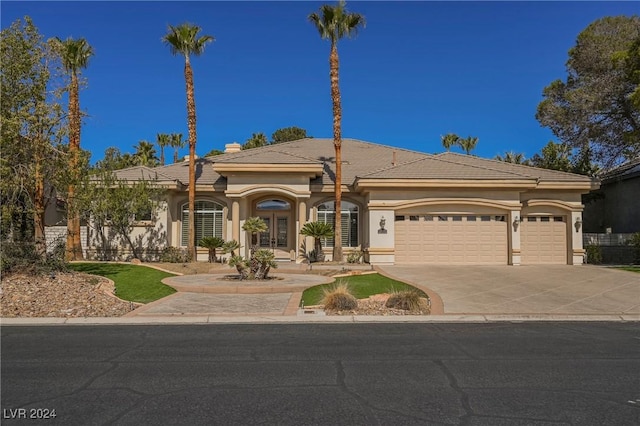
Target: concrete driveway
(549, 289)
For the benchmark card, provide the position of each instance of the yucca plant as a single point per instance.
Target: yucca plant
(230, 247)
(254, 225)
(241, 266)
(317, 230)
(261, 263)
(211, 243)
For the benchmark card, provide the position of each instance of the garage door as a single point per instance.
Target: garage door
(451, 239)
(543, 240)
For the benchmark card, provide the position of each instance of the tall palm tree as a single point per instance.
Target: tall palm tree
(145, 154)
(74, 54)
(184, 40)
(176, 142)
(449, 140)
(334, 23)
(162, 140)
(468, 144)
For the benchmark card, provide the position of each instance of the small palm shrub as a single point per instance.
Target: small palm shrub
(594, 254)
(317, 230)
(339, 298)
(241, 266)
(211, 243)
(408, 300)
(230, 247)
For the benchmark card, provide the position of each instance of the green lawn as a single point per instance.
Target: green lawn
(362, 286)
(134, 283)
(631, 268)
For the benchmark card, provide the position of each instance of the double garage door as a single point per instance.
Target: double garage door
(477, 239)
(451, 239)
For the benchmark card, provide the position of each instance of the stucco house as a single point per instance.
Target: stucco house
(399, 206)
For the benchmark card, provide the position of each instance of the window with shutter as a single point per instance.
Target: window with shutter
(208, 217)
(349, 226)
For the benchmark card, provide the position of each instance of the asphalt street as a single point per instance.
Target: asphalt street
(323, 374)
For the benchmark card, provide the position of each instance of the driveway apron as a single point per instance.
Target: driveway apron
(544, 289)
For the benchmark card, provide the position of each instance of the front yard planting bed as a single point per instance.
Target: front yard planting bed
(361, 286)
(133, 283)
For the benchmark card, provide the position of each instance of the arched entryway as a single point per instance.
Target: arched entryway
(277, 213)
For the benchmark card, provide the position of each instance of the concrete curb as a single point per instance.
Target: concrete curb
(313, 319)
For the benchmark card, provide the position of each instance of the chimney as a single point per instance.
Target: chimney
(393, 162)
(232, 147)
(186, 158)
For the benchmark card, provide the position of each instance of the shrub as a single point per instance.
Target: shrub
(408, 300)
(175, 255)
(354, 257)
(594, 254)
(339, 298)
(634, 241)
(23, 257)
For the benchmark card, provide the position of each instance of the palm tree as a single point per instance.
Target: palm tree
(449, 140)
(211, 243)
(468, 144)
(334, 23)
(145, 154)
(163, 140)
(317, 230)
(176, 142)
(184, 40)
(254, 225)
(74, 54)
(512, 157)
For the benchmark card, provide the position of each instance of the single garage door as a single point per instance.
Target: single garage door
(543, 240)
(451, 239)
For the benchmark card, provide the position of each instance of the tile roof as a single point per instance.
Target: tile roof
(624, 171)
(361, 160)
(142, 172)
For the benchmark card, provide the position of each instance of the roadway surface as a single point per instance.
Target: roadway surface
(325, 374)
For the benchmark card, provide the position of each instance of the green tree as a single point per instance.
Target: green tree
(75, 54)
(145, 154)
(214, 152)
(554, 156)
(449, 140)
(287, 134)
(512, 157)
(162, 140)
(468, 144)
(32, 126)
(113, 159)
(184, 40)
(334, 23)
(255, 141)
(117, 204)
(176, 142)
(317, 230)
(212, 244)
(597, 107)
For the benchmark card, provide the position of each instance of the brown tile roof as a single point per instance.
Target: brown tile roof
(519, 169)
(360, 160)
(142, 172)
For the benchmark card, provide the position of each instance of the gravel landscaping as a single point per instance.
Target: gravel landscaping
(65, 295)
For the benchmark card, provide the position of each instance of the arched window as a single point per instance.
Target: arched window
(349, 215)
(208, 217)
(273, 205)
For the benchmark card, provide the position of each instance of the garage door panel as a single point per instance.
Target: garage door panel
(444, 240)
(543, 240)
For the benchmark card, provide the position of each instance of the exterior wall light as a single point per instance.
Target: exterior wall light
(516, 222)
(578, 224)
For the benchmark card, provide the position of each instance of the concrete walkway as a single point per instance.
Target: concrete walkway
(223, 295)
(522, 290)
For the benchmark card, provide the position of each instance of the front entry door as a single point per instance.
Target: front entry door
(277, 215)
(276, 236)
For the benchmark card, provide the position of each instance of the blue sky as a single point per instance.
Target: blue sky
(417, 71)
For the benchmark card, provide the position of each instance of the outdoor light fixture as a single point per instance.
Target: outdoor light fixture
(516, 222)
(383, 221)
(578, 224)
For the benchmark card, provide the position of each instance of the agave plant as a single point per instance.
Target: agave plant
(211, 243)
(317, 230)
